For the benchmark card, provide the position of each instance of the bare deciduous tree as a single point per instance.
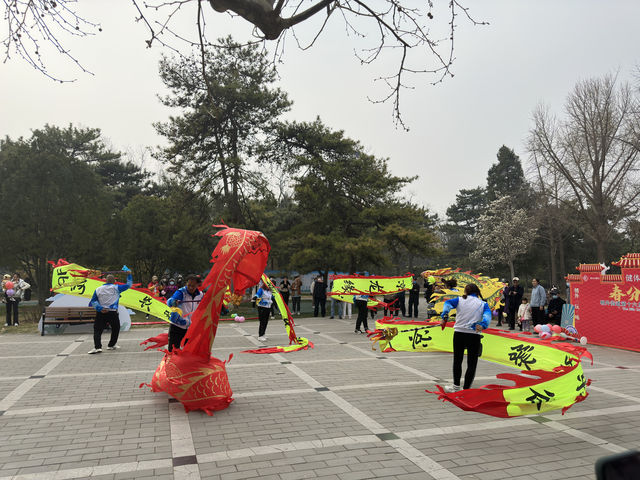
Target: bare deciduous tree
(556, 225)
(388, 27)
(595, 149)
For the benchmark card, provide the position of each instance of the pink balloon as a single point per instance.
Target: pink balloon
(8, 285)
(556, 329)
(240, 319)
(537, 328)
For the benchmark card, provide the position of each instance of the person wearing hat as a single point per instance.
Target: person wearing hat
(514, 299)
(555, 306)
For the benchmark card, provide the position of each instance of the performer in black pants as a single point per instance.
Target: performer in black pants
(105, 300)
(414, 298)
(361, 302)
(472, 316)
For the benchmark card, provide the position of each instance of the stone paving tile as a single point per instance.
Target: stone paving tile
(623, 430)
(528, 451)
(64, 391)
(13, 367)
(263, 378)
(19, 349)
(357, 373)
(7, 386)
(259, 421)
(84, 437)
(622, 381)
(121, 360)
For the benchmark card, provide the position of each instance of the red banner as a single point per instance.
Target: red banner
(608, 306)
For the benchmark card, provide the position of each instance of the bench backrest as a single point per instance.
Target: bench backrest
(70, 312)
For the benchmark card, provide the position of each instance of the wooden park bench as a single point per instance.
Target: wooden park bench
(69, 315)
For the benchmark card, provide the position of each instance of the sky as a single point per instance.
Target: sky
(531, 52)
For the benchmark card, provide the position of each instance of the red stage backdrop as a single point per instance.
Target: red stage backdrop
(608, 306)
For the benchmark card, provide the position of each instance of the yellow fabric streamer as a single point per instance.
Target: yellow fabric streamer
(64, 281)
(551, 374)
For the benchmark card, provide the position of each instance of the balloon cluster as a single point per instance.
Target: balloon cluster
(237, 318)
(8, 288)
(549, 330)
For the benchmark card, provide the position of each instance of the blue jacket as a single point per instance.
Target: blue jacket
(538, 297)
(469, 312)
(107, 296)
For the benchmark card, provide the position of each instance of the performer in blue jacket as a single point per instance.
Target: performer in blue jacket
(472, 316)
(105, 300)
(187, 299)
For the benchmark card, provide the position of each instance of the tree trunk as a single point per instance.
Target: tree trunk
(601, 250)
(561, 259)
(511, 268)
(552, 256)
(43, 283)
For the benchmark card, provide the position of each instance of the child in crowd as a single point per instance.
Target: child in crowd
(524, 315)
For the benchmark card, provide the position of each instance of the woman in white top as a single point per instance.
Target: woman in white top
(472, 316)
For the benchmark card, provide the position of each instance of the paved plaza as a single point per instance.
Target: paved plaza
(339, 411)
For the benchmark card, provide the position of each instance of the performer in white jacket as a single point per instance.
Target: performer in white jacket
(472, 316)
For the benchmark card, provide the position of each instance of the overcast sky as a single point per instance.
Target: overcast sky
(532, 52)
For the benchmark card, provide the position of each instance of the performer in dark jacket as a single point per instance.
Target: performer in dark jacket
(514, 299)
(414, 297)
(319, 296)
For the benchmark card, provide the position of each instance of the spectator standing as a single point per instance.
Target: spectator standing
(414, 297)
(538, 301)
(296, 294)
(514, 299)
(311, 287)
(555, 306)
(524, 315)
(171, 288)
(346, 310)
(187, 299)
(285, 288)
(319, 297)
(13, 297)
(335, 304)
(105, 300)
(154, 286)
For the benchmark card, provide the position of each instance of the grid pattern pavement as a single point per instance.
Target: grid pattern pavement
(338, 411)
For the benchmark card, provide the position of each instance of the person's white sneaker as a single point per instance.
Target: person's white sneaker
(95, 350)
(452, 388)
(262, 339)
(115, 347)
(6, 324)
